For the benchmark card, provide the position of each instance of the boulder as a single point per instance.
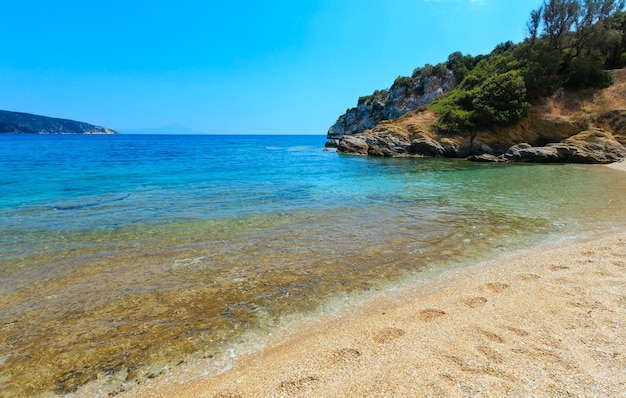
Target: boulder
(387, 144)
(427, 147)
(352, 144)
(591, 146)
(526, 153)
(455, 147)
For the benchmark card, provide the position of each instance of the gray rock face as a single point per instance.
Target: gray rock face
(406, 95)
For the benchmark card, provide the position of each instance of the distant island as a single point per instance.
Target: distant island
(26, 123)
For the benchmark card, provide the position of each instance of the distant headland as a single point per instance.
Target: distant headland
(26, 123)
(559, 96)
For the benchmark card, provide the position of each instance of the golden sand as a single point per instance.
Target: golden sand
(544, 322)
(618, 165)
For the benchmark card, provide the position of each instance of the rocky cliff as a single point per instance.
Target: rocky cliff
(577, 127)
(23, 123)
(405, 95)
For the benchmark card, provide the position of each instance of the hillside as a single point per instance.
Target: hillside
(583, 126)
(558, 96)
(26, 123)
(605, 109)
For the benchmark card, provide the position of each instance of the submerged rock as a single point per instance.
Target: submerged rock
(486, 158)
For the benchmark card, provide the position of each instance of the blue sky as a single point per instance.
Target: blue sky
(231, 67)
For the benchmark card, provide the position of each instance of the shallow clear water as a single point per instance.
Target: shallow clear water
(120, 255)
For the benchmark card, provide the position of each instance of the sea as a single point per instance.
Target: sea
(123, 256)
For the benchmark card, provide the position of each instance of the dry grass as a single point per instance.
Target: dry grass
(587, 104)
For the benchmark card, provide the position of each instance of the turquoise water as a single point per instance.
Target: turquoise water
(123, 255)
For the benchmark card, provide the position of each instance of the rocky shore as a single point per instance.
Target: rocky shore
(579, 127)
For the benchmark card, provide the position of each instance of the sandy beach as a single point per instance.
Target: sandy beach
(548, 322)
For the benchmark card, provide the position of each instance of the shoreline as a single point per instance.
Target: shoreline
(545, 321)
(541, 321)
(621, 165)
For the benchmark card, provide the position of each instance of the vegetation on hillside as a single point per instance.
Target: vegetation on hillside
(570, 45)
(22, 123)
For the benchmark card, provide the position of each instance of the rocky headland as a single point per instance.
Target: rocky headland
(407, 94)
(584, 126)
(26, 123)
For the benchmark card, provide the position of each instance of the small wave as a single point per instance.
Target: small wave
(90, 204)
(300, 148)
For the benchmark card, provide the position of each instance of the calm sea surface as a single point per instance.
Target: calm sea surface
(121, 256)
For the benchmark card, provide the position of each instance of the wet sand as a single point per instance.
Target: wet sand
(618, 165)
(550, 321)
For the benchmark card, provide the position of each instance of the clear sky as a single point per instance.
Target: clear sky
(231, 67)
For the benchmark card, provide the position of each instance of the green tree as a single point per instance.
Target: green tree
(541, 67)
(587, 34)
(588, 72)
(460, 64)
(532, 26)
(559, 18)
(501, 99)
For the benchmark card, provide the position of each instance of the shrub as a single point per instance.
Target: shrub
(402, 81)
(457, 64)
(587, 72)
(461, 64)
(377, 94)
(500, 99)
(455, 110)
(440, 70)
(488, 67)
(426, 70)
